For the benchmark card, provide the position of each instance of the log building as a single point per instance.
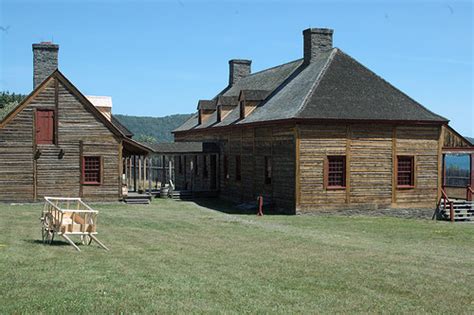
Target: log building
(321, 132)
(56, 142)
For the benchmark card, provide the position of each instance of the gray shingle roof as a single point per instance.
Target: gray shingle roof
(332, 86)
(254, 95)
(471, 140)
(184, 147)
(227, 100)
(348, 90)
(207, 104)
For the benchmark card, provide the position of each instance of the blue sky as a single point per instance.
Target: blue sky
(158, 58)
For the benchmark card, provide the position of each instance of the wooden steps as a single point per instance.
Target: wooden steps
(189, 194)
(463, 210)
(137, 199)
(182, 194)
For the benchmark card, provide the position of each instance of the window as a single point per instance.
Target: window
(226, 167)
(44, 126)
(457, 168)
(91, 170)
(205, 173)
(336, 172)
(405, 171)
(195, 165)
(238, 175)
(268, 170)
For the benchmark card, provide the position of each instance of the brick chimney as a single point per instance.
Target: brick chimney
(45, 61)
(238, 68)
(315, 41)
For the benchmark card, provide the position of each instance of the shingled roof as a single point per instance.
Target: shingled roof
(332, 86)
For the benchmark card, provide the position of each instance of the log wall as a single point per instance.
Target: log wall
(370, 152)
(78, 133)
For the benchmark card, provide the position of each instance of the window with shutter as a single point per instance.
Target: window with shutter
(44, 126)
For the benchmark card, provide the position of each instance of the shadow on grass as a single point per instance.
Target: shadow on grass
(53, 243)
(229, 207)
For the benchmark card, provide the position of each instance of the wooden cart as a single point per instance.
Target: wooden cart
(66, 217)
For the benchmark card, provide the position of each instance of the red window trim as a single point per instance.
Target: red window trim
(84, 182)
(327, 161)
(412, 172)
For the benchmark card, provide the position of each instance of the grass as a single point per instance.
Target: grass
(179, 257)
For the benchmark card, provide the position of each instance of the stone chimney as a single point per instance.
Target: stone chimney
(238, 68)
(45, 61)
(315, 41)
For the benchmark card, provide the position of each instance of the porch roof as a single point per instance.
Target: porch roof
(184, 147)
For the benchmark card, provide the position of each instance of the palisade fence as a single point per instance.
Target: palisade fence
(148, 171)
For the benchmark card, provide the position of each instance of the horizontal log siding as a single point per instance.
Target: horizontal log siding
(16, 158)
(421, 142)
(371, 165)
(316, 142)
(57, 176)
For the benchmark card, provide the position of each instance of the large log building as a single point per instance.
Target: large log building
(317, 133)
(56, 142)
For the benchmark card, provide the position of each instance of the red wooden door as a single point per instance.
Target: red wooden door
(44, 126)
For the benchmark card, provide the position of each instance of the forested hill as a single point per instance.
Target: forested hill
(153, 129)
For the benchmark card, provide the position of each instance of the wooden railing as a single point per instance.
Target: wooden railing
(446, 201)
(469, 193)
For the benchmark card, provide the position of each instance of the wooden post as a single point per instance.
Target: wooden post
(35, 162)
(394, 165)
(149, 175)
(139, 172)
(81, 161)
(120, 169)
(170, 169)
(348, 163)
(135, 173)
(440, 161)
(451, 211)
(163, 177)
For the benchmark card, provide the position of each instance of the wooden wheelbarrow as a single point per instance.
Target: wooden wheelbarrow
(66, 217)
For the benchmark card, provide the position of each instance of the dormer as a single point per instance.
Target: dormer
(249, 100)
(225, 104)
(205, 110)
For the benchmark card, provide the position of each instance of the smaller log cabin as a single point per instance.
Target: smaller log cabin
(57, 142)
(321, 132)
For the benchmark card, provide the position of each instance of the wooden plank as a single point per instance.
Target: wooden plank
(56, 111)
(297, 166)
(348, 163)
(394, 165)
(81, 161)
(35, 177)
(440, 162)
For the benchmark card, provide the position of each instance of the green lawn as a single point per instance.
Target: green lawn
(178, 257)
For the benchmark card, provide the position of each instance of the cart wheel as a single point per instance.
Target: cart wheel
(48, 236)
(46, 229)
(86, 239)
